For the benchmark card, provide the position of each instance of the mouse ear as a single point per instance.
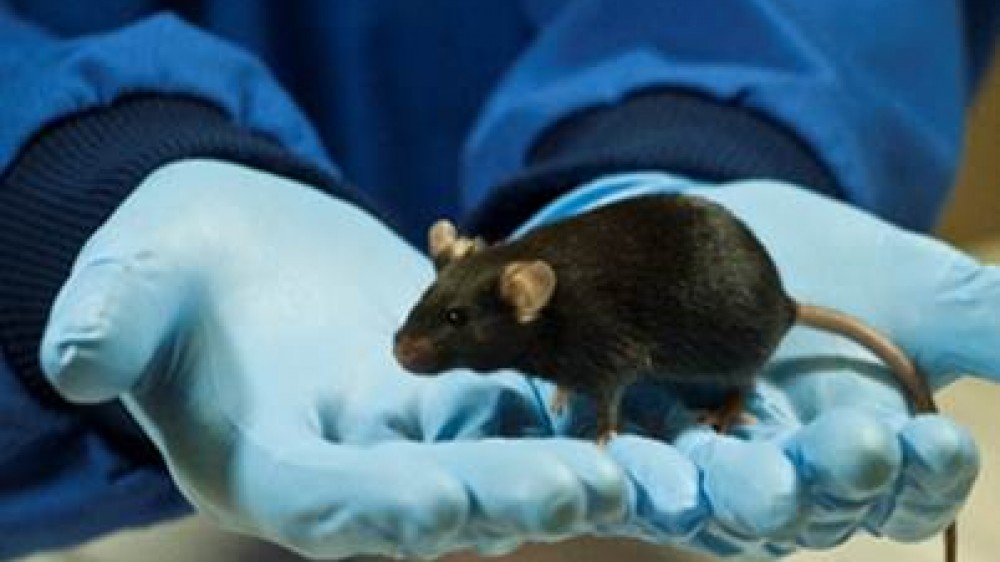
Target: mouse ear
(440, 238)
(446, 246)
(528, 286)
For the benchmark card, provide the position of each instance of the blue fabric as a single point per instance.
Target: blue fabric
(876, 88)
(404, 95)
(428, 105)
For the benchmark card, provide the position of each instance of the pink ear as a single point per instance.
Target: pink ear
(528, 286)
(440, 238)
(445, 244)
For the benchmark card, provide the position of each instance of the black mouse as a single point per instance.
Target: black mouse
(662, 287)
(668, 288)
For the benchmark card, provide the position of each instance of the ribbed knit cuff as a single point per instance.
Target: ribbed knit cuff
(71, 177)
(672, 131)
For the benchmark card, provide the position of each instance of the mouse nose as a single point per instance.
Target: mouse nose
(415, 354)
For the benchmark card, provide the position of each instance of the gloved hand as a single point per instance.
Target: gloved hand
(834, 449)
(247, 321)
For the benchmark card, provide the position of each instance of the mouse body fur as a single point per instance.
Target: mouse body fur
(705, 304)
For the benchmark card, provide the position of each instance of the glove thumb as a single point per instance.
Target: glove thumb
(110, 326)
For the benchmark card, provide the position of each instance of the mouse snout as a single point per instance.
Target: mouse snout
(415, 354)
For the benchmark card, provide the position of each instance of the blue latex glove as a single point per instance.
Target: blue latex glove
(247, 322)
(834, 448)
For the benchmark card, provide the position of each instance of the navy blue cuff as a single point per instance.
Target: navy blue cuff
(69, 179)
(673, 131)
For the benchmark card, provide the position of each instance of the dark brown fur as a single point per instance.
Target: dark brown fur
(707, 304)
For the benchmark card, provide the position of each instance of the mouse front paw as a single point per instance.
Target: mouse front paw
(605, 437)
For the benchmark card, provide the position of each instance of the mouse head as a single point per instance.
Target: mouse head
(481, 312)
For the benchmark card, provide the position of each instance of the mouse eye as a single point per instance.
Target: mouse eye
(456, 316)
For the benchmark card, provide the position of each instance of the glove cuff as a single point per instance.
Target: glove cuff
(672, 131)
(68, 180)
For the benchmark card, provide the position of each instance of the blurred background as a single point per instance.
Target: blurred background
(971, 221)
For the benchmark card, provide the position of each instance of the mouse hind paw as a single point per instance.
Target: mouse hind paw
(560, 400)
(730, 413)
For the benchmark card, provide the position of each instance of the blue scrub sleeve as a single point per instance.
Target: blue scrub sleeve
(861, 100)
(83, 122)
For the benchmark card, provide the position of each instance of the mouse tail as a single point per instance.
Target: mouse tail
(951, 543)
(850, 327)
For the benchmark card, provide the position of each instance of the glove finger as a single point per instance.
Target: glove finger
(751, 488)
(940, 465)
(535, 489)
(410, 499)
(666, 503)
(325, 500)
(847, 460)
(109, 325)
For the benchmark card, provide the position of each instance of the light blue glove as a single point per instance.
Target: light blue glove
(247, 321)
(834, 449)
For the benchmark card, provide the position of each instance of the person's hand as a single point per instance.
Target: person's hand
(247, 322)
(834, 448)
